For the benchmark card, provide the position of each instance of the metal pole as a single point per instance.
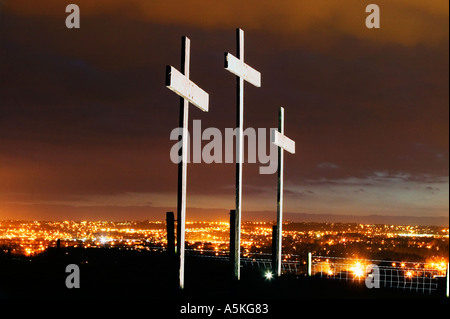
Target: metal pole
(447, 293)
(309, 264)
(239, 147)
(170, 228)
(182, 166)
(234, 244)
(280, 194)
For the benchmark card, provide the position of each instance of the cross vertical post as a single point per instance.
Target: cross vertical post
(242, 72)
(189, 92)
(283, 143)
(280, 195)
(182, 166)
(274, 248)
(240, 151)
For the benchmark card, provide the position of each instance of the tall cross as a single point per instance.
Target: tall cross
(284, 144)
(189, 92)
(242, 72)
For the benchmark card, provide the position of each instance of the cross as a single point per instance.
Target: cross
(189, 92)
(242, 72)
(284, 144)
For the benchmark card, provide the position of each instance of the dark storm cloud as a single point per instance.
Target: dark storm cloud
(85, 112)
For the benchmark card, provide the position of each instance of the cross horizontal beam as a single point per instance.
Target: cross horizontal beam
(239, 68)
(187, 89)
(283, 141)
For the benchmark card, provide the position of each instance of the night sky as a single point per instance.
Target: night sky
(85, 117)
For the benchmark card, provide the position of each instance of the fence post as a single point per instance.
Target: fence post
(170, 227)
(447, 281)
(234, 251)
(274, 248)
(309, 264)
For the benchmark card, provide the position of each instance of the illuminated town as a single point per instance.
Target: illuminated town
(425, 244)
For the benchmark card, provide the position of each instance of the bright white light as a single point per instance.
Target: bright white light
(268, 275)
(358, 270)
(103, 240)
(359, 273)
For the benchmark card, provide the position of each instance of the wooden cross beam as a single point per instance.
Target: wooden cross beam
(243, 73)
(189, 92)
(184, 87)
(284, 144)
(240, 69)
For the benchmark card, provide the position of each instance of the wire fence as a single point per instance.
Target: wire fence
(411, 276)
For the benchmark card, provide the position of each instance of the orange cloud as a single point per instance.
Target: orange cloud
(406, 22)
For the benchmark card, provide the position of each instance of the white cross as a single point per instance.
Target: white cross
(187, 89)
(242, 72)
(188, 92)
(284, 143)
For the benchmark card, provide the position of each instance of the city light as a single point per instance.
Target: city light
(30, 238)
(358, 270)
